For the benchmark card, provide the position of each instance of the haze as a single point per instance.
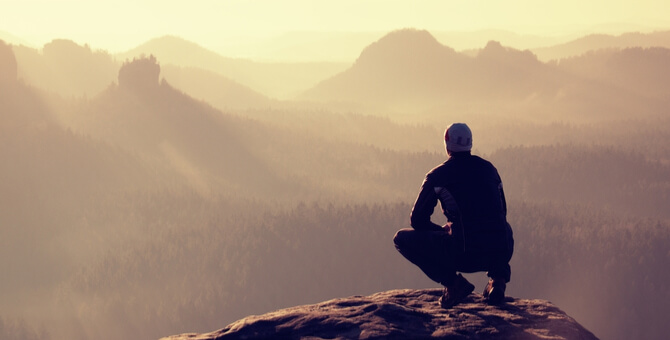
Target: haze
(241, 28)
(171, 168)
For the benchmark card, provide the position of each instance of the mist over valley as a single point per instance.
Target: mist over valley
(171, 189)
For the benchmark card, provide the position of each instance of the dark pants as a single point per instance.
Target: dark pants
(439, 256)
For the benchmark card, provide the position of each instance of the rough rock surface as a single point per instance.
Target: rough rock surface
(405, 314)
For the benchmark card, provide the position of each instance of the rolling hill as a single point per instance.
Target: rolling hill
(215, 89)
(70, 70)
(277, 80)
(639, 70)
(596, 42)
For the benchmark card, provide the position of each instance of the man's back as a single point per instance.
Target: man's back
(475, 185)
(470, 191)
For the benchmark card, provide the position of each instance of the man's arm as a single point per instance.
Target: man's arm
(502, 198)
(502, 194)
(424, 207)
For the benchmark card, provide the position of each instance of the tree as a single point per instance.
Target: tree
(140, 74)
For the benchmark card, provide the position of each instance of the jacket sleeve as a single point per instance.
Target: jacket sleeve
(504, 202)
(502, 194)
(424, 207)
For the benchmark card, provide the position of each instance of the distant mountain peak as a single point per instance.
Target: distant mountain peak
(594, 42)
(409, 36)
(62, 43)
(493, 45)
(172, 39)
(65, 49)
(494, 50)
(175, 50)
(406, 314)
(406, 44)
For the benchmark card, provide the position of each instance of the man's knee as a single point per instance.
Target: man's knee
(401, 237)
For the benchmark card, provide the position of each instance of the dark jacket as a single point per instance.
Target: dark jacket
(470, 191)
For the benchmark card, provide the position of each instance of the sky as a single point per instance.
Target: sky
(118, 25)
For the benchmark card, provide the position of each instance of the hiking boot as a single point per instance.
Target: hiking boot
(494, 293)
(456, 292)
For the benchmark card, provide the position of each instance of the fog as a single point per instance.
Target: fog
(171, 189)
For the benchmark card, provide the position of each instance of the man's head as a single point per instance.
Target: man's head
(458, 138)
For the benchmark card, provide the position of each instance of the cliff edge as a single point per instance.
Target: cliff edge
(405, 314)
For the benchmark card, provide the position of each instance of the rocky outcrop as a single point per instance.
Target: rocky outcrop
(405, 314)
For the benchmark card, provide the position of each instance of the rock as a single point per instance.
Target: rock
(405, 314)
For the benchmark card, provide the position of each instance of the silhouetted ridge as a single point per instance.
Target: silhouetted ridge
(21, 107)
(62, 50)
(141, 74)
(495, 51)
(404, 46)
(402, 68)
(211, 150)
(640, 70)
(172, 49)
(212, 87)
(409, 68)
(66, 68)
(8, 67)
(594, 42)
(270, 79)
(503, 73)
(174, 41)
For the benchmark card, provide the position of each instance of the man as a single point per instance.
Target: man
(476, 237)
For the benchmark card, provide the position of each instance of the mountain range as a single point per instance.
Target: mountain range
(277, 80)
(170, 198)
(56, 65)
(406, 70)
(594, 42)
(409, 70)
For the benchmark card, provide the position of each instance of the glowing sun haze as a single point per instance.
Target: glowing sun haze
(122, 24)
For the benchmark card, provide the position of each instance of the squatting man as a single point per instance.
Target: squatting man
(476, 237)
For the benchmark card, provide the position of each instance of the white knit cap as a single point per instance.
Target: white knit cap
(458, 137)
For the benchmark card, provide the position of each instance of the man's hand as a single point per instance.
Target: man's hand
(447, 227)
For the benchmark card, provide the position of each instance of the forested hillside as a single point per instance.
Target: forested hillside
(142, 204)
(66, 68)
(628, 183)
(591, 42)
(216, 269)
